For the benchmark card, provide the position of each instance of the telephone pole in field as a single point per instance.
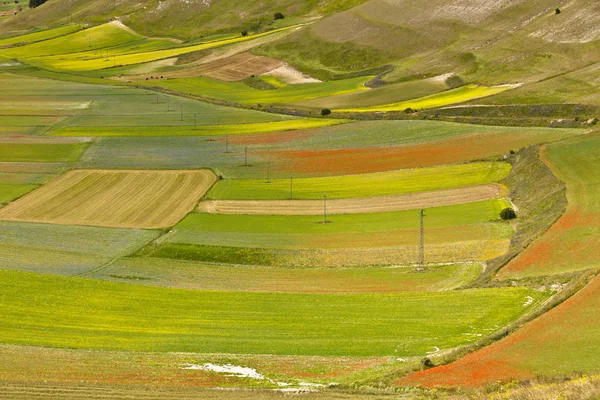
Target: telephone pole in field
(421, 265)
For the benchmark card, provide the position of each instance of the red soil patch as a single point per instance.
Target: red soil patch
(378, 159)
(550, 335)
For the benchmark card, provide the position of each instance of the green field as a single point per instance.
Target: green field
(75, 52)
(198, 276)
(65, 250)
(40, 36)
(351, 230)
(565, 247)
(21, 152)
(226, 322)
(365, 185)
(238, 92)
(202, 130)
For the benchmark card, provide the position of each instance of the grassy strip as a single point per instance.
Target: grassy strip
(365, 185)
(21, 152)
(201, 130)
(198, 276)
(40, 36)
(106, 315)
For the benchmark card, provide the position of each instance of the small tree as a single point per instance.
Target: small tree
(557, 11)
(244, 33)
(508, 214)
(36, 3)
(426, 363)
(325, 112)
(279, 16)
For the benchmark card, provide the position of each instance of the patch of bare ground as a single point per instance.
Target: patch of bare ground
(355, 206)
(292, 76)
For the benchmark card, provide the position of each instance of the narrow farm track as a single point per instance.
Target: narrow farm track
(355, 205)
(126, 199)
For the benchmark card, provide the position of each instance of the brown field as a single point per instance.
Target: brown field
(126, 199)
(231, 69)
(355, 205)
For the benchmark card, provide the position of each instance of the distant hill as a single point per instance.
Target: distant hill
(491, 41)
(185, 19)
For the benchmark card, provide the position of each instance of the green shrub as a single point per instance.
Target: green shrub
(325, 112)
(279, 16)
(508, 214)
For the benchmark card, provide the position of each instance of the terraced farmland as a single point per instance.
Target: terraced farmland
(126, 199)
(187, 212)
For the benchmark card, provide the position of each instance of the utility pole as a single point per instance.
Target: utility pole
(421, 265)
(114, 61)
(181, 119)
(291, 188)
(168, 104)
(195, 121)
(156, 98)
(268, 172)
(226, 143)
(324, 208)
(246, 156)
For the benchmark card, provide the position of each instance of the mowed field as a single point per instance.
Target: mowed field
(127, 199)
(229, 322)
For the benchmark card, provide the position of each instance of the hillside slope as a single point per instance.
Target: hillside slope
(509, 38)
(185, 19)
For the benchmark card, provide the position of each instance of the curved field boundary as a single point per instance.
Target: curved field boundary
(355, 206)
(126, 199)
(559, 342)
(572, 243)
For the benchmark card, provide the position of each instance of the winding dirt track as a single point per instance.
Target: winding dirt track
(356, 205)
(124, 199)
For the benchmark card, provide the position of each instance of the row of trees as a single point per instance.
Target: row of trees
(36, 3)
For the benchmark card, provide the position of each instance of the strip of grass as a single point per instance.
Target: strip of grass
(40, 36)
(9, 192)
(365, 185)
(197, 276)
(455, 96)
(240, 93)
(97, 314)
(21, 152)
(202, 130)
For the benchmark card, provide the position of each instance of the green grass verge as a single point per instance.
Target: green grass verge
(198, 276)
(21, 152)
(202, 130)
(9, 192)
(97, 314)
(365, 185)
